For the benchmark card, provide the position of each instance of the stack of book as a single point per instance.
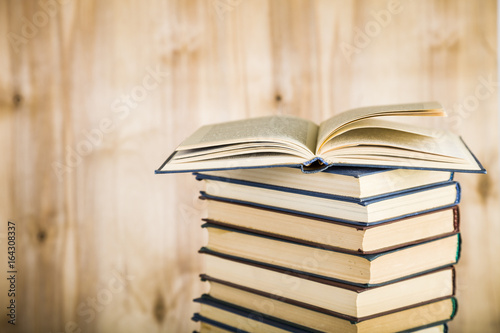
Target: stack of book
(344, 250)
(349, 226)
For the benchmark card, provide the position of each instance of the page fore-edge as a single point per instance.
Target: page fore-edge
(252, 204)
(323, 165)
(352, 319)
(362, 201)
(308, 275)
(210, 300)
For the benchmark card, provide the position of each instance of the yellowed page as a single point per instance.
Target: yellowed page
(390, 147)
(328, 127)
(239, 151)
(382, 123)
(444, 144)
(183, 155)
(286, 130)
(386, 152)
(237, 161)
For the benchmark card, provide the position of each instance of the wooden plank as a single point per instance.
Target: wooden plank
(108, 88)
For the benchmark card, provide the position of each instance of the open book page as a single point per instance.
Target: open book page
(250, 160)
(328, 128)
(356, 138)
(284, 130)
(381, 123)
(185, 156)
(188, 155)
(442, 147)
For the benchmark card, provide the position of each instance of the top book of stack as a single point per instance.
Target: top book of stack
(357, 137)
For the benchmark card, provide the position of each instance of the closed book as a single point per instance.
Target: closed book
(355, 182)
(333, 234)
(216, 327)
(237, 321)
(220, 316)
(368, 211)
(354, 302)
(357, 269)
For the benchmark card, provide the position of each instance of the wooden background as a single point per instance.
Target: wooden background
(95, 94)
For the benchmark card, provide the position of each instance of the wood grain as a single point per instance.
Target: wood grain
(104, 245)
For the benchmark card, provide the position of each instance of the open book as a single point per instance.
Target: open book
(358, 137)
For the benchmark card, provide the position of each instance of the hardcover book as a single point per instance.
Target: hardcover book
(357, 269)
(358, 137)
(346, 300)
(211, 326)
(332, 234)
(365, 211)
(354, 182)
(277, 312)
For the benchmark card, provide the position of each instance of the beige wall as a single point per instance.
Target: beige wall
(104, 245)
